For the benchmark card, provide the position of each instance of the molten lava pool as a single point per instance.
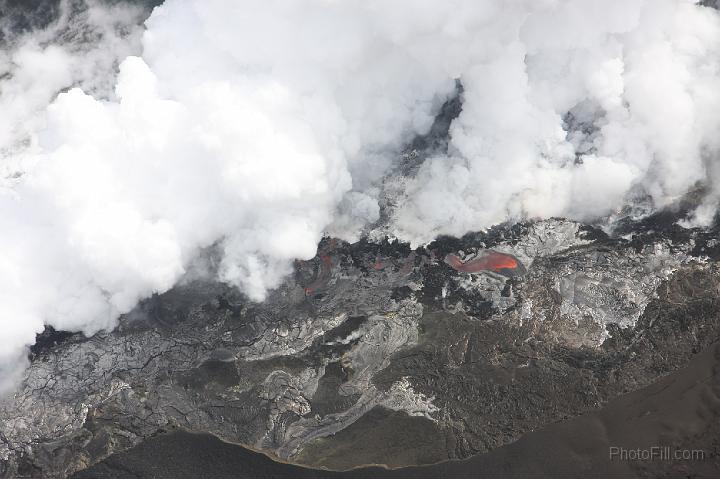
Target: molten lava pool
(491, 261)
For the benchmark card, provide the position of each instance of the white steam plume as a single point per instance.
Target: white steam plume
(259, 125)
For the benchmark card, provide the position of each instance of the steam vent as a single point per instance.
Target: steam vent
(359, 239)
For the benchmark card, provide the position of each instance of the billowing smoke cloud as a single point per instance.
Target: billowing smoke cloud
(259, 125)
(574, 104)
(45, 48)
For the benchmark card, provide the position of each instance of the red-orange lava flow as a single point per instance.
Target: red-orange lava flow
(323, 275)
(492, 261)
(378, 265)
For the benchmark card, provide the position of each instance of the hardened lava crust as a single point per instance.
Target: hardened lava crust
(374, 353)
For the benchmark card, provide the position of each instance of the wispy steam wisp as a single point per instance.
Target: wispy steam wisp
(260, 125)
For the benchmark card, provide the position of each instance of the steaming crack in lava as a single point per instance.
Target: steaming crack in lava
(492, 261)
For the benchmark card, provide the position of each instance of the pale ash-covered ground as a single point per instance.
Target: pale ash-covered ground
(471, 361)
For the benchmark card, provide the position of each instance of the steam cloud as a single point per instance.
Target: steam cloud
(260, 125)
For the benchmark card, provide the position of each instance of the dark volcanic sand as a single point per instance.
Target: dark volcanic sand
(681, 410)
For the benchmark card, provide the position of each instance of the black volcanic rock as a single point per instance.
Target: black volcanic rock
(678, 414)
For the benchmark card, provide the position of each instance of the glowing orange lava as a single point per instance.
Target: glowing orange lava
(492, 261)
